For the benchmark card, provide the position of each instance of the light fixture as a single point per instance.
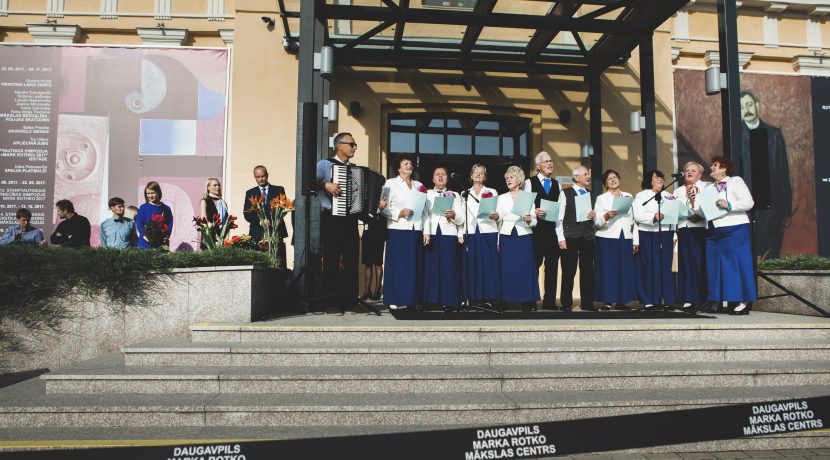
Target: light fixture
(324, 61)
(586, 149)
(269, 21)
(715, 80)
(330, 110)
(636, 122)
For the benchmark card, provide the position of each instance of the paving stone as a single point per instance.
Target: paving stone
(697, 456)
(796, 453)
(764, 454)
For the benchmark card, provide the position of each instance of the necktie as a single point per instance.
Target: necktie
(264, 191)
(546, 184)
(582, 191)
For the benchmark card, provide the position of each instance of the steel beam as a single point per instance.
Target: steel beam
(730, 96)
(647, 103)
(595, 120)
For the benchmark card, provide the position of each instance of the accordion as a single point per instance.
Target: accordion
(360, 189)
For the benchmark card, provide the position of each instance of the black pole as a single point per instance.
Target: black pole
(595, 96)
(730, 96)
(647, 103)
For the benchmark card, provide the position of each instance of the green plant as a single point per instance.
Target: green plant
(799, 262)
(40, 283)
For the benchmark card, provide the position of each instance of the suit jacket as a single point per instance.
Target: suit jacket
(508, 221)
(256, 231)
(398, 192)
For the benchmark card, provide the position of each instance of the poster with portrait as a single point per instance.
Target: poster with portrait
(777, 138)
(86, 123)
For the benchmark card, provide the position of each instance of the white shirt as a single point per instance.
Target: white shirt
(398, 197)
(485, 225)
(736, 194)
(527, 187)
(611, 228)
(508, 221)
(644, 214)
(563, 203)
(680, 194)
(435, 221)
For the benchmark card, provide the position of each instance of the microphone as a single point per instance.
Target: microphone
(678, 175)
(455, 176)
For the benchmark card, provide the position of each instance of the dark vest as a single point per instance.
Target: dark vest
(210, 208)
(570, 226)
(544, 227)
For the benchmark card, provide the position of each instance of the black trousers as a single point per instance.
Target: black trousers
(340, 255)
(580, 251)
(546, 250)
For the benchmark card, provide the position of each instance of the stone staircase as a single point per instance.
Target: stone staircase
(272, 381)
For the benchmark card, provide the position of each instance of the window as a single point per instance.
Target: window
(457, 141)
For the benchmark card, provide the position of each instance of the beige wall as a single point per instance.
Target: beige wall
(264, 84)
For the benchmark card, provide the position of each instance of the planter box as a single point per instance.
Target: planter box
(811, 285)
(239, 294)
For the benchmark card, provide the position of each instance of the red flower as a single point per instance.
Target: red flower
(487, 195)
(422, 189)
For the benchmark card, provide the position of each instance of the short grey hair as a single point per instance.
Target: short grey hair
(578, 170)
(515, 171)
(695, 163)
(539, 155)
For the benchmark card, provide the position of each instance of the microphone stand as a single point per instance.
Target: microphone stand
(658, 197)
(468, 304)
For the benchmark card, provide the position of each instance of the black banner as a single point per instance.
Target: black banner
(530, 440)
(821, 136)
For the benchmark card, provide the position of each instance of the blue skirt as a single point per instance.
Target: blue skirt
(691, 265)
(482, 280)
(403, 268)
(614, 280)
(442, 277)
(647, 264)
(729, 270)
(519, 273)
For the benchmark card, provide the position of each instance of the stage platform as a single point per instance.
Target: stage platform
(331, 374)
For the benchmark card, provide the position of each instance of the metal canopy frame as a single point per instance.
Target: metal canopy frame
(620, 23)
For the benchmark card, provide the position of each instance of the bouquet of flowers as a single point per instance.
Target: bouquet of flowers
(271, 214)
(244, 242)
(214, 231)
(157, 232)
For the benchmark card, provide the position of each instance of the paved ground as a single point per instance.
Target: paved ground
(794, 454)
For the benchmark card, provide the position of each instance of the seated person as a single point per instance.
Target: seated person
(23, 233)
(118, 231)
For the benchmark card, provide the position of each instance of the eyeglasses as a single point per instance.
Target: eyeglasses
(352, 144)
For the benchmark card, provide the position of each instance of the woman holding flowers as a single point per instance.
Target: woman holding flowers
(482, 280)
(402, 280)
(214, 211)
(442, 277)
(154, 220)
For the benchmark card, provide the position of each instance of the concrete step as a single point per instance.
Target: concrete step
(721, 328)
(113, 379)
(179, 352)
(27, 405)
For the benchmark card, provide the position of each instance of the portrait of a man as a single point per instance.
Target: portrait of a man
(773, 220)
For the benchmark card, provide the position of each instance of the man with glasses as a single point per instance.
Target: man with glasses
(545, 244)
(338, 233)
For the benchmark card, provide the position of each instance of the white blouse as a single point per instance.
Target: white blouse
(680, 194)
(738, 195)
(485, 225)
(398, 198)
(453, 227)
(508, 221)
(644, 214)
(611, 228)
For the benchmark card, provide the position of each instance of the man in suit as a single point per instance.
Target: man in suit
(770, 222)
(576, 240)
(269, 191)
(338, 233)
(545, 247)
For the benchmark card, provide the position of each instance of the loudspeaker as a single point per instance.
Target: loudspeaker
(355, 109)
(759, 164)
(307, 116)
(565, 116)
